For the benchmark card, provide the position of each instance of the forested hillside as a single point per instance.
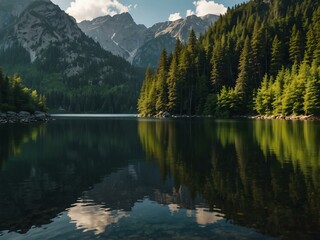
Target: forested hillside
(261, 57)
(14, 96)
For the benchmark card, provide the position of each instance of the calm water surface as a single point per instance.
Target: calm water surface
(128, 178)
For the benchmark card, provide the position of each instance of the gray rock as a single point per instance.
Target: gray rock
(24, 114)
(166, 115)
(40, 116)
(11, 114)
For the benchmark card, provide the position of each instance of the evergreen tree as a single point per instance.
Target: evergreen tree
(143, 98)
(258, 53)
(227, 102)
(311, 104)
(218, 67)
(242, 87)
(294, 90)
(276, 56)
(173, 84)
(311, 45)
(161, 84)
(278, 91)
(184, 75)
(295, 46)
(264, 98)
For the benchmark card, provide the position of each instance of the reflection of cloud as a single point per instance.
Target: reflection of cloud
(94, 217)
(173, 208)
(204, 217)
(190, 213)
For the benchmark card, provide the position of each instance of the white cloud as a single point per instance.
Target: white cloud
(174, 16)
(204, 7)
(135, 6)
(189, 13)
(89, 9)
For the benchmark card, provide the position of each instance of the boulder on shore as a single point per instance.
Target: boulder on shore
(40, 115)
(23, 117)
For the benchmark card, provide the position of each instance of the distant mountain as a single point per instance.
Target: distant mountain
(46, 39)
(118, 34)
(136, 43)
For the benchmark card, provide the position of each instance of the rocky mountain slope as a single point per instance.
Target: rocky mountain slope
(10, 9)
(136, 43)
(118, 34)
(48, 41)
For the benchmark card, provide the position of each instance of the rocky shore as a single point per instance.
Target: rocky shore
(24, 117)
(162, 115)
(281, 117)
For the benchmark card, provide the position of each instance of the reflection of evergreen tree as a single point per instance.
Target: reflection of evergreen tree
(246, 175)
(14, 137)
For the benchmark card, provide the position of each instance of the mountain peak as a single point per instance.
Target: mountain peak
(123, 37)
(118, 34)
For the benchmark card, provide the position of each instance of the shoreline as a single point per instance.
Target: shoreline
(37, 116)
(282, 117)
(24, 117)
(253, 117)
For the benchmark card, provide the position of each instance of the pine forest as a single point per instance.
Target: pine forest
(14, 96)
(261, 57)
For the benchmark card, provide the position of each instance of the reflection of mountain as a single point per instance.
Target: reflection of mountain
(51, 173)
(198, 171)
(222, 162)
(116, 197)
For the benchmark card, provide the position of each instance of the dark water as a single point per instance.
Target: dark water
(123, 178)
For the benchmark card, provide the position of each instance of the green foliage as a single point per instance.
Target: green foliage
(264, 98)
(222, 72)
(311, 104)
(295, 46)
(14, 96)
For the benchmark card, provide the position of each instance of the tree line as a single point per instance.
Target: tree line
(14, 96)
(261, 57)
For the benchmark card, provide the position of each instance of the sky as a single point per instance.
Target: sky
(147, 12)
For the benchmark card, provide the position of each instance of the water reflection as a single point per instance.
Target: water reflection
(94, 217)
(262, 174)
(14, 136)
(52, 172)
(293, 142)
(177, 179)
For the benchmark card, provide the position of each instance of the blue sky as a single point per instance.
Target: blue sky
(146, 12)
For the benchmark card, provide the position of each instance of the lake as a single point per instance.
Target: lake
(128, 178)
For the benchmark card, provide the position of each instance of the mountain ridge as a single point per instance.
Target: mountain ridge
(114, 34)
